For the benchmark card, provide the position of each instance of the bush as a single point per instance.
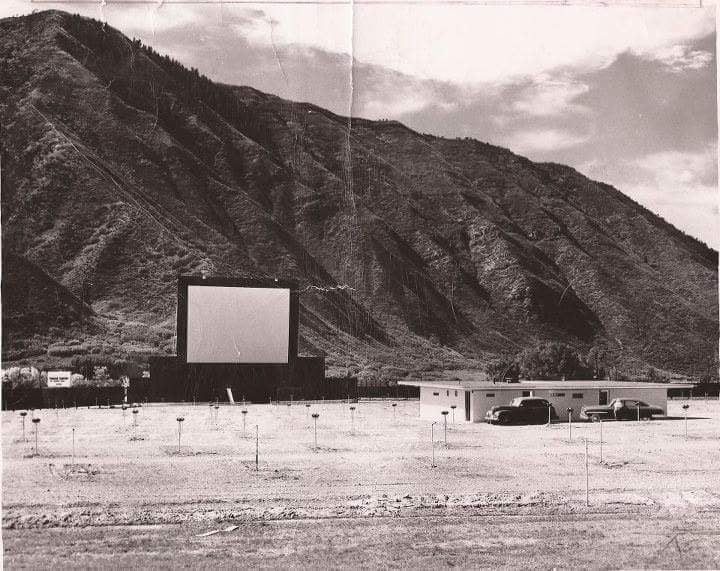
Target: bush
(602, 359)
(551, 361)
(66, 350)
(21, 377)
(77, 380)
(86, 366)
(502, 368)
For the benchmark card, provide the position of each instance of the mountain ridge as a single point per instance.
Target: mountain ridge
(449, 251)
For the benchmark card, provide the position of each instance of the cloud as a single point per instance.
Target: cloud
(475, 43)
(686, 170)
(463, 44)
(679, 186)
(396, 103)
(679, 58)
(379, 93)
(545, 140)
(548, 94)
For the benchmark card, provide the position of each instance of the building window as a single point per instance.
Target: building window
(558, 394)
(490, 395)
(577, 395)
(436, 394)
(455, 393)
(447, 393)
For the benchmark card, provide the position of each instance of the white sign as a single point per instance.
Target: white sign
(58, 379)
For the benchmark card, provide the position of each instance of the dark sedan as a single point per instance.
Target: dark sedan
(621, 409)
(522, 410)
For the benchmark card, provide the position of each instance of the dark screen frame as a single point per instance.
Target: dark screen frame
(184, 282)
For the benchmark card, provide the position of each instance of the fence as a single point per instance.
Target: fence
(399, 392)
(696, 392)
(332, 389)
(349, 387)
(22, 397)
(695, 397)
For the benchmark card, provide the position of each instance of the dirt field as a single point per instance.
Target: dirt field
(367, 496)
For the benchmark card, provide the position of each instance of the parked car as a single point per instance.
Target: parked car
(620, 409)
(522, 410)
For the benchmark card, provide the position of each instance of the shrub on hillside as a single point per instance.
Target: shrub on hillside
(86, 365)
(551, 360)
(77, 380)
(502, 368)
(66, 350)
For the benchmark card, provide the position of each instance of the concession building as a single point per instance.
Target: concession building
(472, 399)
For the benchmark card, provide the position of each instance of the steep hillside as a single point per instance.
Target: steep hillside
(121, 169)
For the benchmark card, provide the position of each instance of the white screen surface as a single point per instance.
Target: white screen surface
(237, 324)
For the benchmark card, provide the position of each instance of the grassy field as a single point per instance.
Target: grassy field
(368, 495)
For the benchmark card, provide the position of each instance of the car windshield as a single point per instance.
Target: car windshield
(531, 403)
(632, 403)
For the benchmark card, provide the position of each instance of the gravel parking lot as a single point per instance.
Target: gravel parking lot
(496, 494)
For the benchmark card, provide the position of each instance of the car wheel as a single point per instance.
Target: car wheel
(504, 420)
(594, 417)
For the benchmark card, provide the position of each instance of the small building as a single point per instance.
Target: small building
(472, 399)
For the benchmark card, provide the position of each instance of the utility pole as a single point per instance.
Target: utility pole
(587, 475)
(432, 441)
(315, 417)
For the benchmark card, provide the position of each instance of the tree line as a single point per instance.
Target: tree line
(553, 360)
(169, 95)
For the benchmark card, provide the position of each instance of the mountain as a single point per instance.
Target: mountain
(121, 169)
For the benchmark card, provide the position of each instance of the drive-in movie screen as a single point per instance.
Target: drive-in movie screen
(237, 324)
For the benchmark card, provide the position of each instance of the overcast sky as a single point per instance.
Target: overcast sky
(627, 95)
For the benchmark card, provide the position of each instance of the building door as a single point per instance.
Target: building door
(527, 393)
(603, 397)
(467, 405)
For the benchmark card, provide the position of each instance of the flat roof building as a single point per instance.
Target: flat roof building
(472, 399)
